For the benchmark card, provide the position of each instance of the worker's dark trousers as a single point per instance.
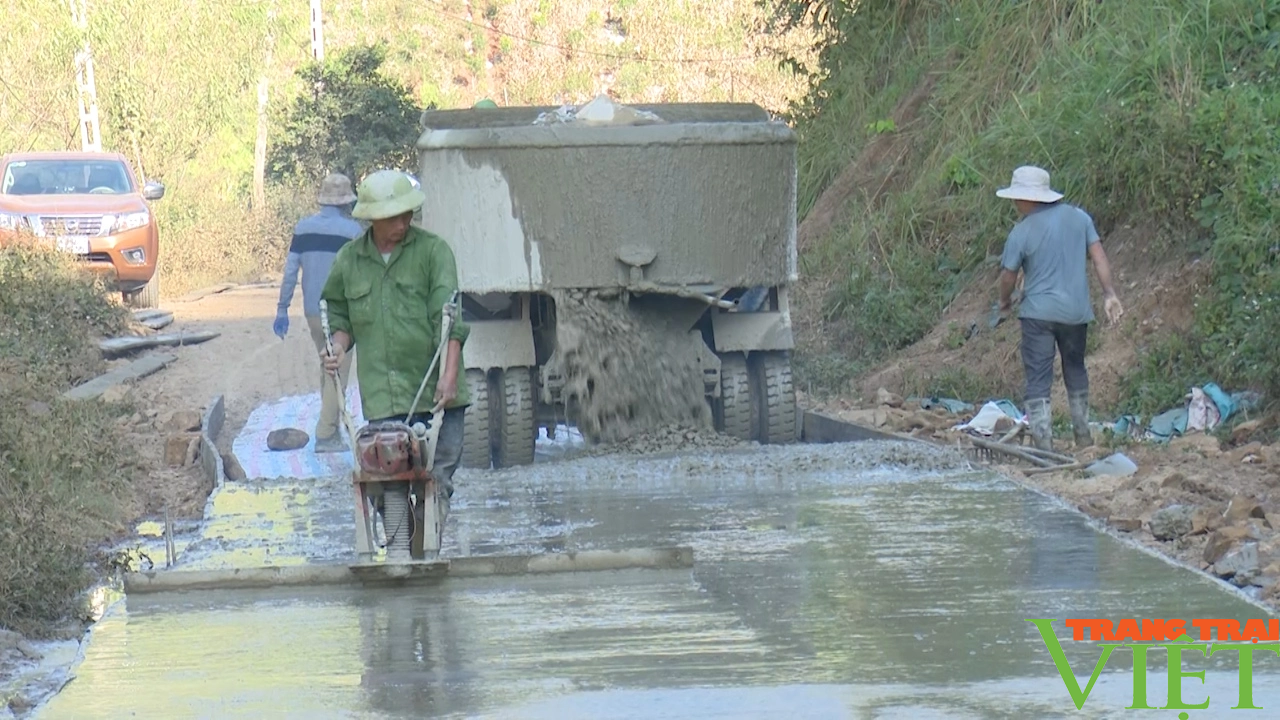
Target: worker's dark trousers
(1041, 340)
(448, 444)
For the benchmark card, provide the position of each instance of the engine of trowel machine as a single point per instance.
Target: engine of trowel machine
(392, 452)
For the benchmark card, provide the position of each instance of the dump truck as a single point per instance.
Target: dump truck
(690, 205)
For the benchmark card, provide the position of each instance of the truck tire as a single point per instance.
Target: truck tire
(735, 397)
(519, 433)
(476, 443)
(148, 297)
(778, 398)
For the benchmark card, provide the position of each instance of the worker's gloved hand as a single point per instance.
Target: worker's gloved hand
(281, 325)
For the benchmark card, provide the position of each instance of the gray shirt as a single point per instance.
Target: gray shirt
(1051, 245)
(316, 240)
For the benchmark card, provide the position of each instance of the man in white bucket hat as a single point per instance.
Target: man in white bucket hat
(1049, 245)
(316, 241)
(386, 294)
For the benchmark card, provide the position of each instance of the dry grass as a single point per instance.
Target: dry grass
(64, 483)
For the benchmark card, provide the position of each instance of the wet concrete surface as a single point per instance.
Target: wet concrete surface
(871, 580)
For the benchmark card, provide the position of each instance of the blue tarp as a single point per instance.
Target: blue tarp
(951, 404)
(1167, 424)
(1226, 406)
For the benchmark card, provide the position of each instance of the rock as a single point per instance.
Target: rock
(1244, 431)
(1174, 480)
(38, 409)
(193, 452)
(1263, 580)
(231, 467)
(1094, 509)
(884, 397)
(865, 418)
(10, 640)
(1172, 522)
(1243, 561)
(1206, 445)
(1273, 520)
(115, 394)
(1125, 524)
(917, 421)
(183, 421)
(175, 448)
(1251, 453)
(880, 417)
(287, 439)
(1242, 508)
(1205, 520)
(1004, 425)
(1223, 541)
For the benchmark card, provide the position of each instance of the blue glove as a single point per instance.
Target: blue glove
(281, 325)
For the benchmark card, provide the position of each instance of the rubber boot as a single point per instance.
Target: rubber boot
(1041, 422)
(1079, 403)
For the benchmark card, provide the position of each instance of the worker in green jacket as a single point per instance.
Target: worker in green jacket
(386, 292)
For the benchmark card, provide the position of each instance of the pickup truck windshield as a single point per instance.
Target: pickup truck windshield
(66, 177)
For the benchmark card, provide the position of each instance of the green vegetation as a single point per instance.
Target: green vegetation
(1160, 115)
(178, 86)
(361, 121)
(63, 481)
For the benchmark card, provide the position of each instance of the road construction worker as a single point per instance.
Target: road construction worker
(386, 293)
(1051, 245)
(316, 241)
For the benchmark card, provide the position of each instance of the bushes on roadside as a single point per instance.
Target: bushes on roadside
(62, 490)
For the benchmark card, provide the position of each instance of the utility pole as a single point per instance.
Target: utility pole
(260, 146)
(87, 91)
(317, 31)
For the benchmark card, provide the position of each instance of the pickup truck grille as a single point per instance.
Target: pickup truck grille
(70, 224)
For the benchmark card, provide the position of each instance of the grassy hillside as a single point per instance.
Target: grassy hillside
(178, 85)
(1160, 119)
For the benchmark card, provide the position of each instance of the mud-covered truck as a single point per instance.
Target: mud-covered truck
(686, 205)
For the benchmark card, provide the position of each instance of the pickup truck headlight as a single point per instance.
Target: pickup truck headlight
(127, 221)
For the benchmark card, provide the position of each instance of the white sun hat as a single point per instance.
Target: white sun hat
(1030, 183)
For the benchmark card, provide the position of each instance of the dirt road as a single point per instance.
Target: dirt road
(246, 364)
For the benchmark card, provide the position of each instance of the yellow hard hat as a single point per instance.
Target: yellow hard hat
(386, 194)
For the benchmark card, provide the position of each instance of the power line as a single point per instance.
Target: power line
(580, 51)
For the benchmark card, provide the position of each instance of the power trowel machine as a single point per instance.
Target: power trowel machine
(392, 477)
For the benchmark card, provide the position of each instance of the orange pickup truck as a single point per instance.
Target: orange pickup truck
(91, 205)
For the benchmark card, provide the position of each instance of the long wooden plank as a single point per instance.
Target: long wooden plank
(139, 368)
(157, 322)
(156, 581)
(118, 345)
(819, 428)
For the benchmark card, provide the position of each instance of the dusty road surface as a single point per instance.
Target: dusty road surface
(868, 580)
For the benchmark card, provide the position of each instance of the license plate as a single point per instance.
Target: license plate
(77, 244)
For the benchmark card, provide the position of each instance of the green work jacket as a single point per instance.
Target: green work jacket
(392, 309)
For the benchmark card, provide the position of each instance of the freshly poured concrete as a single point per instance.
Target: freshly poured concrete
(855, 581)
